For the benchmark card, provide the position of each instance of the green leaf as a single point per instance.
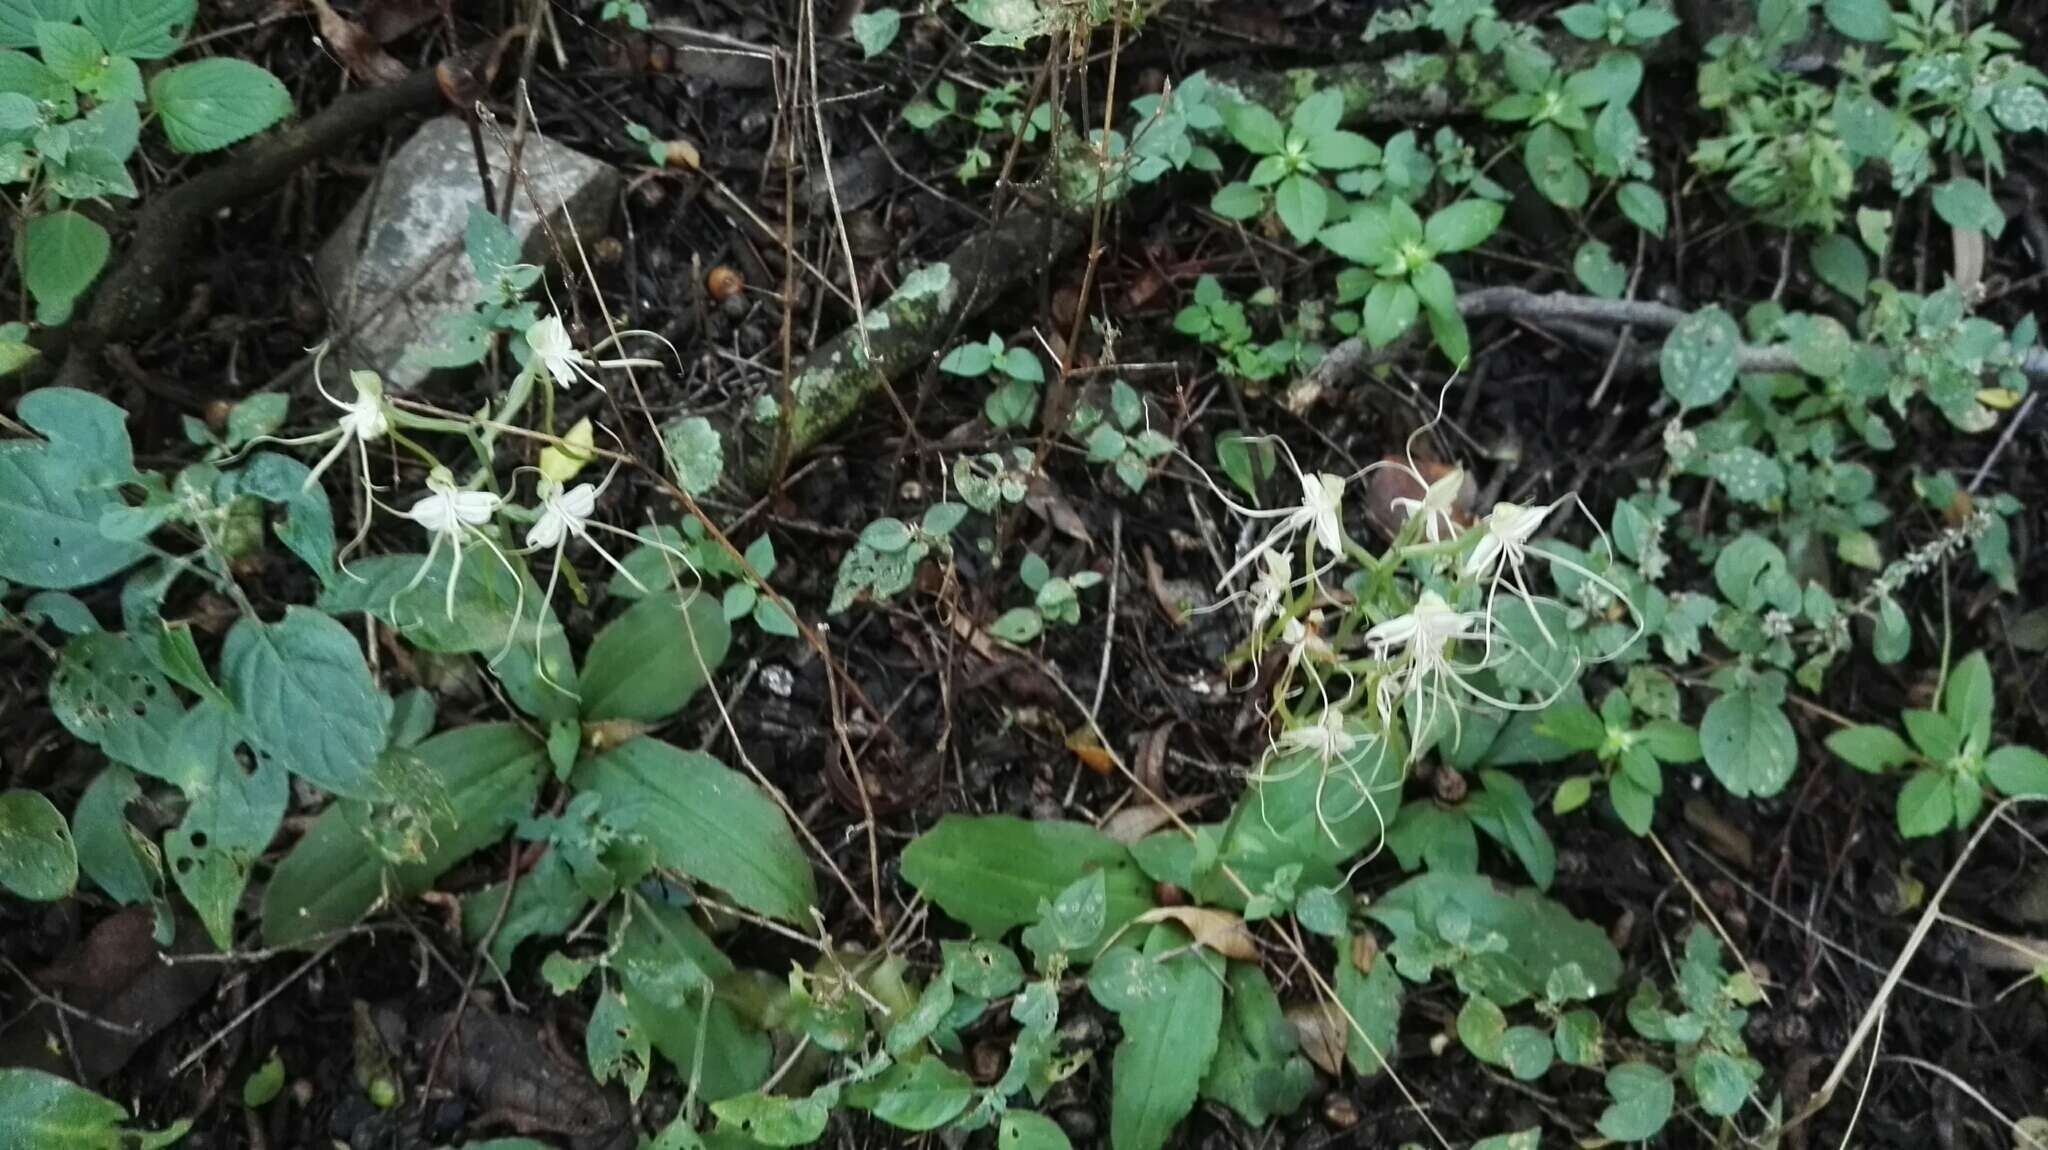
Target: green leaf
(18, 19)
(1571, 794)
(1526, 1051)
(1530, 1139)
(695, 452)
(1540, 935)
(53, 494)
(1026, 1130)
(1840, 263)
(1698, 359)
(1596, 267)
(1937, 736)
(1389, 312)
(1926, 804)
(617, 1047)
(774, 1120)
(1018, 625)
(2018, 771)
(1341, 151)
(1866, 20)
(1968, 700)
(40, 862)
(875, 31)
(1257, 129)
(1258, 1069)
(1553, 164)
(307, 530)
(1072, 921)
(307, 699)
(61, 255)
(647, 663)
(983, 969)
(107, 693)
(1873, 749)
(208, 104)
(40, 1111)
(1966, 205)
(922, 1095)
(116, 856)
(1612, 79)
(1167, 1046)
(728, 1057)
(1578, 1038)
(1237, 201)
(1643, 206)
(707, 821)
(1748, 744)
(489, 774)
(138, 29)
(1303, 205)
(1748, 475)
(226, 829)
(1465, 224)
(1373, 999)
(1482, 1026)
(992, 872)
(1247, 460)
(265, 1083)
(1366, 238)
(1643, 1096)
(1720, 1081)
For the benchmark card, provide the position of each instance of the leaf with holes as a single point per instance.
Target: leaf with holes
(107, 693)
(38, 860)
(308, 700)
(227, 827)
(52, 494)
(111, 851)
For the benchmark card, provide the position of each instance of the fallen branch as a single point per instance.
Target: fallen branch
(140, 293)
(904, 331)
(1349, 360)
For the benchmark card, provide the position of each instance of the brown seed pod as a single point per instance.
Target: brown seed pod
(724, 283)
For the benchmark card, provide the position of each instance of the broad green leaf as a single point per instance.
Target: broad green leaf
(1027, 1130)
(307, 529)
(2018, 771)
(208, 104)
(1866, 20)
(39, 862)
(982, 969)
(1072, 921)
(1926, 804)
(875, 31)
(1553, 165)
(1540, 934)
(1526, 1051)
(1389, 312)
(111, 851)
(1934, 733)
(1465, 224)
(1643, 1096)
(1530, 1139)
(775, 1120)
(264, 1083)
(1698, 358)
(1720, 1082)
(1968, 700)
(1341, 151)
(40, 1111)
(1965, 204)
(546, 903)
(725, 1056)
(616, 1047)
(307, 699)
(1643, 206)
(1247, 460)
(1302, 205)
(1257, 129)
(1258, 1069)
(1873, 749)
(1018, 625)
(61, 255)
(1596, 268)
(922, 1095)
(1365, 238)
(1840, 263)
(226, 829)
(647, 663)
(991, 872)
(138, 29)
(18, 19)
(1233, 201)
(489, 773)
(1482, 1026)
(1166, 1049)
(25, 75)
(707, 821)
(1373, 1000)
(1748, 744)
(663, 954)
(107, 693)
(1748, 475)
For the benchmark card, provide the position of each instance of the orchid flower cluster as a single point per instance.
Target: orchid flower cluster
(1381, 656)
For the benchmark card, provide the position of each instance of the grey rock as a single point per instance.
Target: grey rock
(388, 286)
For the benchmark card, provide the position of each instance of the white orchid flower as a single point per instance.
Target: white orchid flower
(1320, 512)
(1341, 752)
(1437, 507)
(1417, 647)
(548, 339)
(1271, 587)
(563, 514)
(1503, 552)
(453, 516)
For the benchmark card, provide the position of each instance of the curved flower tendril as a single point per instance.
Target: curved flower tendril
(1417, 645)
(1345, 757)
(1503, 552)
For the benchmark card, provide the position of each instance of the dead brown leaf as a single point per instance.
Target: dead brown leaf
(388, 20)
(1150, 764)
(1323, 1033)
(1140, 819)
(358, 49)
(1089, 749)
(1218, 930)
(1046, 502)
(1723, 837)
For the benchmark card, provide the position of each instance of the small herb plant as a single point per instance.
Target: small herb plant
(1055, 599)
(1120, 437)
(72, 89)
(1018, 375)
(1946, 754)
(1632, 754)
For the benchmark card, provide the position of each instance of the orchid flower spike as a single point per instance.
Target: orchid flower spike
(548, 338)
(1503, 552)
(1417, 648)
(453, 516)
